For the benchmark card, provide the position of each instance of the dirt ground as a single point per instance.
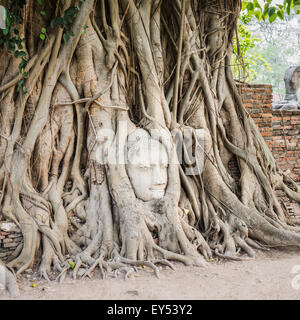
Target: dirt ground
(267, 277)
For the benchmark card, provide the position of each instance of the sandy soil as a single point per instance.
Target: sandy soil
(267, 277)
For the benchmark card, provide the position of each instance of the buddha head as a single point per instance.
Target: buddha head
(146, 165)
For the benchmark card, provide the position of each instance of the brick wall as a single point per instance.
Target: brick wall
(286, 141)
(10, 238)
(280, 129)
(257, 99)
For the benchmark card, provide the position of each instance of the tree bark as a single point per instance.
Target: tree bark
(163, 66)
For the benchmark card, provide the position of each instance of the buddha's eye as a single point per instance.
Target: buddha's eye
(144, 166)
(163, 165)
(160, 165)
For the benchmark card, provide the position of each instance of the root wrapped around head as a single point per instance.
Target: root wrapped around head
(112, 70)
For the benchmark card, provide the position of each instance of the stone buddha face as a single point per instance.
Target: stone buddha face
(146, 165)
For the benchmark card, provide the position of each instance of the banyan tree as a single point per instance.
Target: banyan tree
(118, 119)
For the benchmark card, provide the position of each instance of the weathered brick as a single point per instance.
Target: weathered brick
(280, 129)
(10, 245)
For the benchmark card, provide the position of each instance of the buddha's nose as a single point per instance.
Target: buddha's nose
(158, 176)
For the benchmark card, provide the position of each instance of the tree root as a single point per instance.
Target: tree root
(8, 280)
(118, 232)
(120, 264)
(230, 257)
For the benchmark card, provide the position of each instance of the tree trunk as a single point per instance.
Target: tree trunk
(120, 75)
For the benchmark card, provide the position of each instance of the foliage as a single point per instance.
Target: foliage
(243, 61)
(10, 36)
(270, 10)
(254, 59)
(279, 46)
(51, 171)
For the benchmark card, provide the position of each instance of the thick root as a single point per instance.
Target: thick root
(8, 280)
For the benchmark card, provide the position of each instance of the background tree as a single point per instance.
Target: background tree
(247, 62)
(70, 69)
(268, 45)
(280, 47)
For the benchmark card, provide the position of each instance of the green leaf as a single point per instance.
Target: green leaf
(296, 7)
(5, 31)
(265, 12)
(250, 8)
(273, 17)
(256, 4)
(258, 15)
(8, 20)
(244, 5)
(72, 264)
(70, 33)
(289, 5)
(20, 83)
(83, 30)
(43, 13)
(271, 11)
(66, 37)
(280, 14)
(22, 63)
(43, 30)
(40, 2)
(57, 21)
(42, 36)
(71, 12)
(186, 211)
